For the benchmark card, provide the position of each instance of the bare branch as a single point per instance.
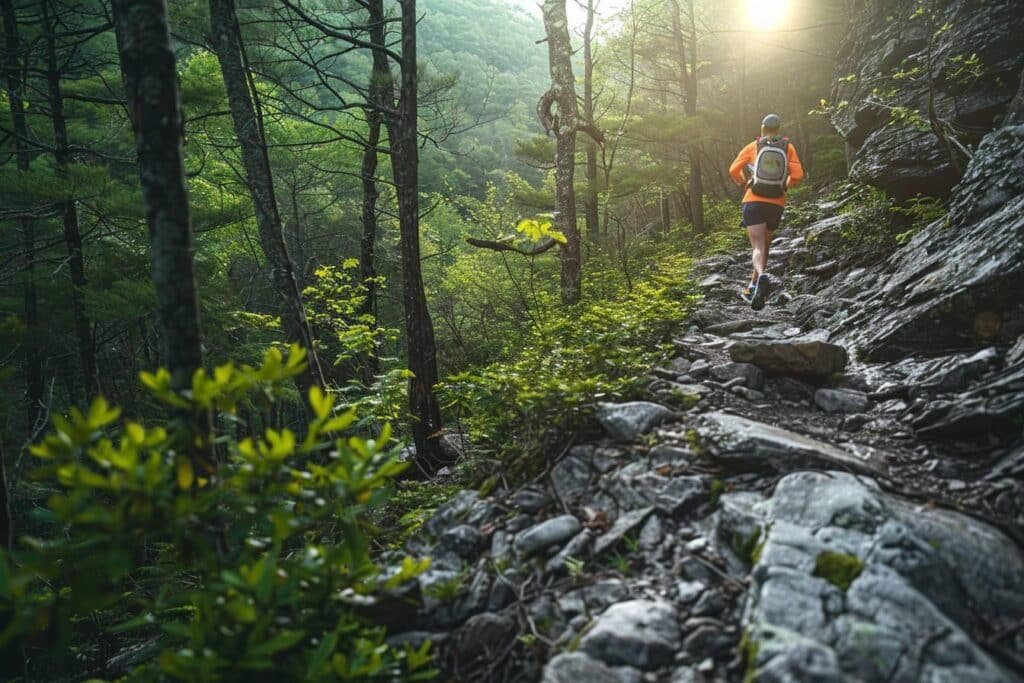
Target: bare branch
(542, 246)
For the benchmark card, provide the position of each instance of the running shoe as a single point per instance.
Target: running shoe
(761, 292)
(747, 293)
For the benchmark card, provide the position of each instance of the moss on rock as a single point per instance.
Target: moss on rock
(839, 569)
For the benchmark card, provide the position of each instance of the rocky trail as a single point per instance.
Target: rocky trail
(779, 509)
(831, 489)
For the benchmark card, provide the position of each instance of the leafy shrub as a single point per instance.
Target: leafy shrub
(335, 303)
(256, 569)
(878, 221)
(599, 350)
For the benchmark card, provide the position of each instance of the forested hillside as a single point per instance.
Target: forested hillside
(403, 340)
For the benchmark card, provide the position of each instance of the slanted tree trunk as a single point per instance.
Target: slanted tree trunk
(248, 125)
(590, 201)
(16, 101)
(69, 212)
(419, 329)
(147, 63)
(564, 124)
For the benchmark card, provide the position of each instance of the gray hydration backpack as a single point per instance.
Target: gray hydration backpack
(771, 167)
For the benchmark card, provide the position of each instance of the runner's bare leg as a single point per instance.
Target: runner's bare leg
(760, 237)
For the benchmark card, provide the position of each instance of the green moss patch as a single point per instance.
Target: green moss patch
(839, 569)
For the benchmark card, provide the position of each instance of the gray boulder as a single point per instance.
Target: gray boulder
(627, 421)
(989, 412)
(751, 375)
(546, 534)
(841, 400)
(450, 512)
(799, 357)
(571, 476)
(574, 667)
(463, 540)
(851, 583)
(577, 549)
(957, 375)
(623, 525)
(640, 633)
(741, 441)
(593, 598)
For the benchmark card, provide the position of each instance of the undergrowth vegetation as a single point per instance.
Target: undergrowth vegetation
(538, 397)
(877, 220)
(231, 556)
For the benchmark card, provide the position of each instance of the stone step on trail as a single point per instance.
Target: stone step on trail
(807, 357)
(742, 442)
(643, 634)
(627, 421)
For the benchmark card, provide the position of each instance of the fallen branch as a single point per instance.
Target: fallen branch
(540, 248)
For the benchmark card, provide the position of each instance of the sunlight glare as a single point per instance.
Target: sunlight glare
(766, 14)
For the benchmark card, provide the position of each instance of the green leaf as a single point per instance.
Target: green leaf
(320, 402)
(282, 641)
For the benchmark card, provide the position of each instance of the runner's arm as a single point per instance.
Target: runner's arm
(796, 169)
(746, 156)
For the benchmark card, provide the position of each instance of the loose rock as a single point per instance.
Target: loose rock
(627, 421)
(798, 357)
(546, 534)
(841, 400)
(639, 633)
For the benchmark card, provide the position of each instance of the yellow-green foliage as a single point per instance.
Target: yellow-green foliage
(570, 358)
(749, 649)
(839, 569)
(252, 569)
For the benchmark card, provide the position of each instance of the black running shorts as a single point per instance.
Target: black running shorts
(756, 213)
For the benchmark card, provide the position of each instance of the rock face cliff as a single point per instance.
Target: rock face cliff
(959, 59)
(957, 283)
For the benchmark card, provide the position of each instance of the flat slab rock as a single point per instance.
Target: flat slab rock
(744, 441)
(860, 585)
(627, 421)
(623, 525)
(576, 667)
(798, 357)
(640, 633)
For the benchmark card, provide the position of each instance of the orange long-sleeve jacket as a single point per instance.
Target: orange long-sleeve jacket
(748, 155)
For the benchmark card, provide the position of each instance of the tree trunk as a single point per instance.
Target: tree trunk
(590, 201)
(563, 95)
(382, 98)
(690, 80)
(419, 329)
(16, 102)
(147, 62)
(248, 125)
(666, 213)
(297, 239)
(69, 213)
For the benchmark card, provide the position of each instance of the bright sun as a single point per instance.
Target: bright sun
(766, 14)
